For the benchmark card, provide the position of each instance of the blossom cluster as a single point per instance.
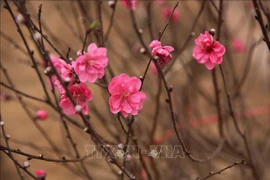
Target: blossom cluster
(126, 96)
(88, 67)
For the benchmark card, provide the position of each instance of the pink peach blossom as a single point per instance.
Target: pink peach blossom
(207, 51)
(166, 12)
(63, 69)
(162, 52)
(238, 45)
(127, 5)
(90, 66)
(126, 95)
(81, 94)
(57, 84)
(42, 114)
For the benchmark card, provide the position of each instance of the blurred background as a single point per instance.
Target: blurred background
(246, 68)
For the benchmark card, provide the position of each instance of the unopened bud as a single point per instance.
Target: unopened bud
(19, 18)
(111, 3)
(48, 70)
(26, 164)
(212, 32)
(37, 36)
(40, 173)
(120, 146)
(140, 31)
(78, 108)
(67, 79)
(79, 53)
(155, 58)
(42, 114)
(142, 50)
(86, 129)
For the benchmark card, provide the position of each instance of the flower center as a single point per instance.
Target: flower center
(80, 99)
(126, 94)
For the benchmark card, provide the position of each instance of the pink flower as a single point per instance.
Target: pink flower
(153, 68)
(57, 84)
(129, 3)
(42, 114)
(90, 65)
(166, 12)
(207, 51)
(125, 95)
(40, 173)
(81, 94)
(162, 52)
(63, 69)
(238, 45)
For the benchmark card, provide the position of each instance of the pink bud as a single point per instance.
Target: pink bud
(79, 53)
(42, 114)
(166, 12)
(238, 45)
(40, 173)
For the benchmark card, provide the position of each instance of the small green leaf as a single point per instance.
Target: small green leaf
(94, 24)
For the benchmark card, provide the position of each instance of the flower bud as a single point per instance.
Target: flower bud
(37, 36)
(26, 164)
(42, 114)
(48, 70)
(79, 53)
(111, 3)
(120, 146)
(78, 108)
(142, 50)
(212, 32)
(19, 18)
(40, 173)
